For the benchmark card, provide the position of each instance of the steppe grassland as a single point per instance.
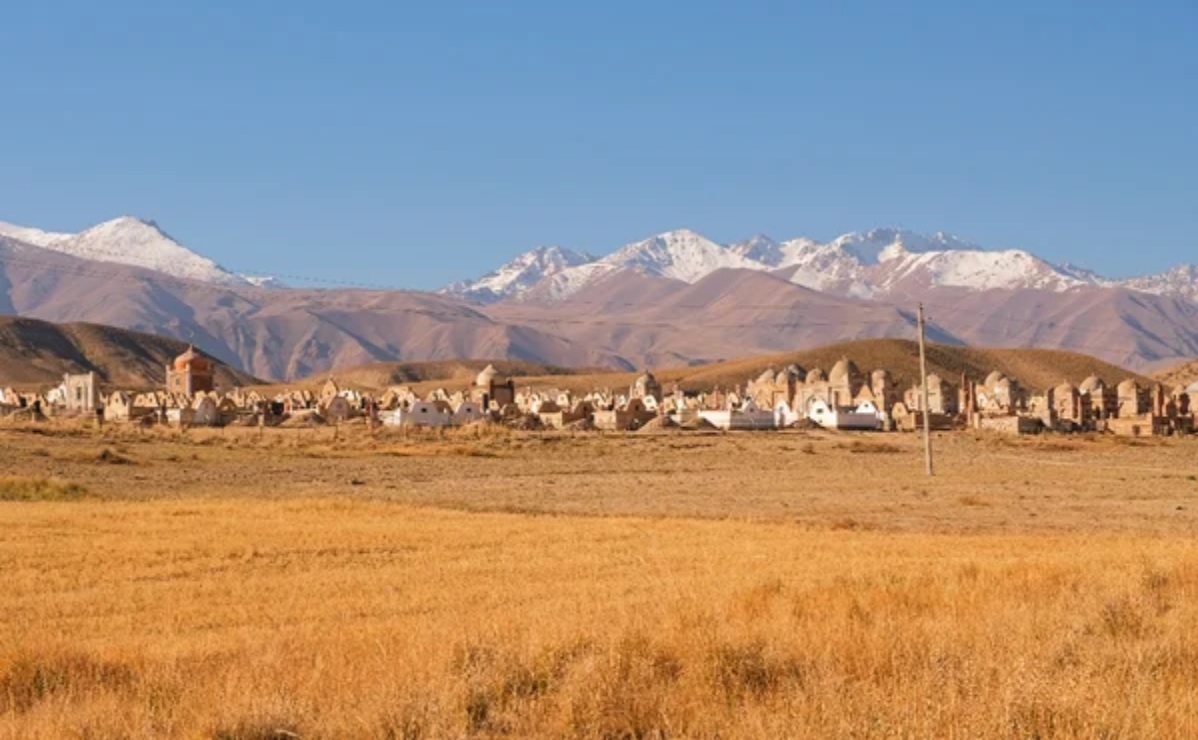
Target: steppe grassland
(179, 595)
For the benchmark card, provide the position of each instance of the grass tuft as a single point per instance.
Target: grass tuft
(258, 728)
(28, 680)
(109, 456)
(857, 447)
(24, 488)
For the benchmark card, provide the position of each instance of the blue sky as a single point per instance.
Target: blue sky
(410, 144)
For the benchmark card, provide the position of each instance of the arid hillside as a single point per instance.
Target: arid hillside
(37, 353)
(1178, 375)
(1037, 369)
(383, 374)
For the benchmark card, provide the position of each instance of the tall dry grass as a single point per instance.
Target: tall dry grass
(255, 619)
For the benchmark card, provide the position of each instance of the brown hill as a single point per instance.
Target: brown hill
(730, 313)
(1129, 329)
(380, 375)
(36, 353)
(1178, 375)
(1036, 369)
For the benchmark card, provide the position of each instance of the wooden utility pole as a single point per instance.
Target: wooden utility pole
(927, 411)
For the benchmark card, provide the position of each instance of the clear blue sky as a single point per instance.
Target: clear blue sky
(409, 144)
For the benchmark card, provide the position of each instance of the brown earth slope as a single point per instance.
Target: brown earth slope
(1037, 369)
(383, 374)
(1178, 375)
(37, 353)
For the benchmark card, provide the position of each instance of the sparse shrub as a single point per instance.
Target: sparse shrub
(1040, 719)
(1156, 587)
(969, 572)
(858, 447)
(1122, 618)
(850, 524)
(501, 682)
(972, 500)
(632, 683)
(757, 600)
(1129, 441)
(258, 728)
(30, 679)
(109, 456)
(411, 721)
(750, 670)
(20, 488)
(470, 451)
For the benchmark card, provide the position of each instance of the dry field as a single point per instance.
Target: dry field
(324, 583)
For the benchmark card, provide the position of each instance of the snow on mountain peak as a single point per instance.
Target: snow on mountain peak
(28, 235)
(264, 281)
(682, 255)
(129, 241)
(1178, 282)
(515, 278)
(858, 264)
(759, 248)
(878, 245)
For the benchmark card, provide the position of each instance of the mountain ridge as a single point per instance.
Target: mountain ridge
(128, 240)
(674, 299)
(877, 263)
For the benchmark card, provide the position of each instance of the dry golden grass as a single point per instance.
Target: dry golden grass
(774, 585)
(1042, 484)
(25, 488)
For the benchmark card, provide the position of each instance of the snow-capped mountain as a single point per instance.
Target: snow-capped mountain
(1085, 275)
(866, 265)
(129, 241)
(759, 248)
(678, 255)
(264, 281)
(875, 264)
(553, 273)
(515, 278)
(1180, 282)
(36, 237)
(681, 255)
(885, 261)
(870, 264)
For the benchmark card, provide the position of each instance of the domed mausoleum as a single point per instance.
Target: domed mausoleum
(190, 373)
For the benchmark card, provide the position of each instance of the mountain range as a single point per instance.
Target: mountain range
(874, 264)
(676, 298)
